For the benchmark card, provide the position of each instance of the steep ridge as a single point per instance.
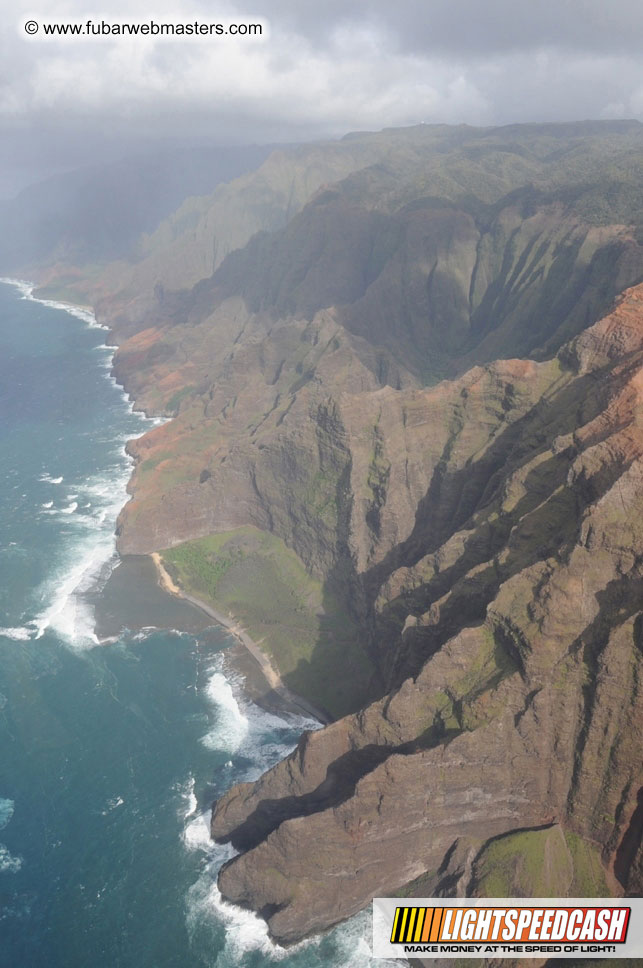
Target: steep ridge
(284, 370)
(404, 377)
(363, 289)
(594, 164)
(523, 631)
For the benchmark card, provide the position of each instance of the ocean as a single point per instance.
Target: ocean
(111, 751)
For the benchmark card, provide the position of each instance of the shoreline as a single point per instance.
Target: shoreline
(262, 663)
(228, 622)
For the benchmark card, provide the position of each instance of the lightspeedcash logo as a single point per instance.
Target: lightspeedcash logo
(510, 928)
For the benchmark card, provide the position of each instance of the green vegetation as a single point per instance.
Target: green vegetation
(379, 470)
(172, 405)
(152, 462)
(321, 497)
(540, 863)
(258, 579)
(589, 875)
(529, 863)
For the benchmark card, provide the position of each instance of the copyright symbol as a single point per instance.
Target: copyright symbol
(31, 27)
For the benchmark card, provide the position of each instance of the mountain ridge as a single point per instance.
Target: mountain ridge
(484, 696)
(404, 379)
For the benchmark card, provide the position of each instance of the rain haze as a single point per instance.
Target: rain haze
(316, 71)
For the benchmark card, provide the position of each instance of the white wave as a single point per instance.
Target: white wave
(89, 558)
(88, 555)
(196, 835)
(245, 932)
(349, 945)
(145, 631)
(47, 504)
(353, 941)
(6, 811)
(189, 798)
(26, 290)
(8, 863)
(239, 724)
(67, 614)
(20, 634)
(112, 804)
(263, 738)
(102, 486)
(232, 725)
(70, 508)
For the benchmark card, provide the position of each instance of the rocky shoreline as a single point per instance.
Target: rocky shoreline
(261, 663)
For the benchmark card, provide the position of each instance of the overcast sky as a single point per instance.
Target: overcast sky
(321, 69)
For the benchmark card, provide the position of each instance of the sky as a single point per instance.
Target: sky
(318, 70)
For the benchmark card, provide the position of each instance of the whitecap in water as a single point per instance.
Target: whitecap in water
(91, 552)
(240, 725)
(20, 634)
(231, 724)
(70, 509)
(8, 863)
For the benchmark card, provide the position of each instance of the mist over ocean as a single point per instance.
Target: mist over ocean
(110, 755)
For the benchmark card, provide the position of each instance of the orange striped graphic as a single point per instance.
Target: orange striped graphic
(457, 925)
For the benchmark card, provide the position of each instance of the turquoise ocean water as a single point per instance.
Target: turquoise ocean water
(110, 754)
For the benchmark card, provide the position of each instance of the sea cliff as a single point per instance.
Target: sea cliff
(403, 377)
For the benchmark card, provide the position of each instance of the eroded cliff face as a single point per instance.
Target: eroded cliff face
(516, 661)
(274, 365)
(422, 376)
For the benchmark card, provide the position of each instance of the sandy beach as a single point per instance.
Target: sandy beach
(230, 623)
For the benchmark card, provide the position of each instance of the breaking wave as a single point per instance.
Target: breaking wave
(254, 740)
(90, 513)
(8, 863)
(19, 634)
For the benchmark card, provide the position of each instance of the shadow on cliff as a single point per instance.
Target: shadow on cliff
(545, 522)
(375, 657)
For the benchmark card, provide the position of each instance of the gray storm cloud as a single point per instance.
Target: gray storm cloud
(320, 69)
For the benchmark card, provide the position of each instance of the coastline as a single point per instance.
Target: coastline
(254, 665)
(250, 647)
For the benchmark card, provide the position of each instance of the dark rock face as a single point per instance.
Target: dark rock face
(528, 716)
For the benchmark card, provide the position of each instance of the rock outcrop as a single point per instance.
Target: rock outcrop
(349, 383)
(518, 666)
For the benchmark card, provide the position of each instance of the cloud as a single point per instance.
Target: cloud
(327, 68)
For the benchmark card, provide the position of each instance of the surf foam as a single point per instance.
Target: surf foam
(92, 553)
(260, 739)
(8, 863)
(20, 634)
(232, 725)
(26, 290)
